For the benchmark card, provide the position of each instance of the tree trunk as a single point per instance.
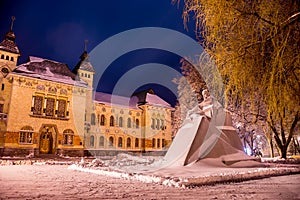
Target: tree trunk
(271, 147)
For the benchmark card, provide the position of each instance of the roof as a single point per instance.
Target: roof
(84, 64)
(153, 99)
(48, 70)
(150, 98)
(8, 44)
(110, 99)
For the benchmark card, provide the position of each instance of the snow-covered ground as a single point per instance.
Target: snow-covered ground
(45, 181)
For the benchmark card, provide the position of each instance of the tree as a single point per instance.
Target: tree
(255, 45)
(190, 86)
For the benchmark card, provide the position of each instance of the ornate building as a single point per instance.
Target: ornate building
(45, 108)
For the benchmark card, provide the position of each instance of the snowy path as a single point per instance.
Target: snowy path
(57, 182)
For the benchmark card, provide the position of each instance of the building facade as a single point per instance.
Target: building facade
(45, 108)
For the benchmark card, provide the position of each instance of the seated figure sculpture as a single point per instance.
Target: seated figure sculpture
(206, 133)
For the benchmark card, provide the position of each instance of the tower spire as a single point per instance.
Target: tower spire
(13, 18)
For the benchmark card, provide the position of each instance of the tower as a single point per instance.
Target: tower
(85, 71)
(9, 52)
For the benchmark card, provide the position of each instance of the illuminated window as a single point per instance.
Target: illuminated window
(26, 134)
(102, 120)
(61, 109)
(120, 142)
(37, 105)
(50, 106)
(153, 143)
(128, 142)
(136, 142)
(92, 139)
(101, 141)
(128, 123)
(93, 119)
(111, 121)
(111, 141)
(120, 122)
(68, 137)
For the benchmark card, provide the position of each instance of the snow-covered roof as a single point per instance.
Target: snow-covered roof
(110, 99)
(153, 99)
(45, 69)
(133, 101)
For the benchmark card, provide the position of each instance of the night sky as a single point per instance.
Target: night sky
(56, 30)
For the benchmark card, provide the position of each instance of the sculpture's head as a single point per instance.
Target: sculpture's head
(205, 94)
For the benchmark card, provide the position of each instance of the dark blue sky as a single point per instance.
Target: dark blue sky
(56, 30)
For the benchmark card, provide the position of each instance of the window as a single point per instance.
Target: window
(111, 141)
(163, 143)
(101, 141)
(153, 143)
(152, 123)
(93, 119)
(111, 121)
(92, 139)
(50, 107)
(7, 58)
(2, 87)
(68, 137)
(158, 143)
(1, 108)
(128, 143)
(26, 134)
(120, 122)
(120, 142)
(162, 124)
(157, 124)
(61, 108)
(88, 76)
(2, 56)
(137, 123)
(128, 123)
(37, 105)
(4, 70)
(11, 58)
(102, 120)
(136, 143)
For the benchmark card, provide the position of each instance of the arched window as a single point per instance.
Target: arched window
(162, 124)
(93, 119)
(136, 142)
(2, 56)
(7, 58)
(158, 143)
(92, 140)
(153, 123)
(129, 122)
(101, 141)
(153, 143)
(26, 134)
(157, 124)
(68, 137)
(137, 123)
(120, 121)
(111, 121)
(128, 143)
(111, 141)
(102, 120)
(120, 142)
(163, 143)
(11, 58)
